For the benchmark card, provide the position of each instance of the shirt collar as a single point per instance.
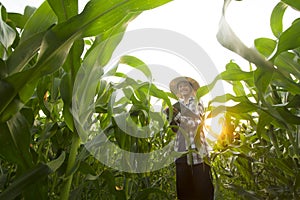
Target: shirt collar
(191, 99)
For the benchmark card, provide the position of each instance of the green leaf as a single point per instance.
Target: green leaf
(243, 107)
(265, 46)
(27, 179)
(238, 88)
(243, 165)
(17, 19)
(228, 97)
(66, 88)
(262, 79)
(263, 121)
(19, 133)
(230, 40)
(294, 4)
(64, 9)
(161, 94)
(289, 39)
(23, 53)
(232, 66)
(288, 116)
(243, 192)
(106, 43)
(39, 21)
(32, 36)
(5, 89)
(110, 180)
(138, 64)
(74, 59)
(111, 72)
(145, 193)
(236, 75)
(8, 90)
(55, 164)
(68, 117)
(111, 12)
(233, 73)
(7, 34)
(283, 166)
(27, 91)
(71, 66)
(286, 61)
(100, 15)
(278, 119)
(86, 169)
(7, 149)
(287, 83)
(293, 103)
(203, 90)
(276, 18)
(11, 109)
(297, 181)
(20, 20)
(3, 69)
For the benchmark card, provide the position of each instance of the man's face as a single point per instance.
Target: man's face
(184, 88)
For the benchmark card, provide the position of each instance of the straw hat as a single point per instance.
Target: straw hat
(174, 84)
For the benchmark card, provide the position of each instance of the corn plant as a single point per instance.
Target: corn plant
(41, 52)
(257, 154)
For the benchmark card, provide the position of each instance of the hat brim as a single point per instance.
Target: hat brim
(174, 83)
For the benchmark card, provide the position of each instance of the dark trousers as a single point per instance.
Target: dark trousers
(193, 182)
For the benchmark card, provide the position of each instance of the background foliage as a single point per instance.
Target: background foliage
(41, 156)
(257, 155)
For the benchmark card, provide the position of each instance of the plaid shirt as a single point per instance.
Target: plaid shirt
(189, 136)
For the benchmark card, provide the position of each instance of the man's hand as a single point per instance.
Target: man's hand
(175, 112)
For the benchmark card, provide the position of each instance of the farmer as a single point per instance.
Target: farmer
(193, 178)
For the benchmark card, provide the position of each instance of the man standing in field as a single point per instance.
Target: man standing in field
(193, 178)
